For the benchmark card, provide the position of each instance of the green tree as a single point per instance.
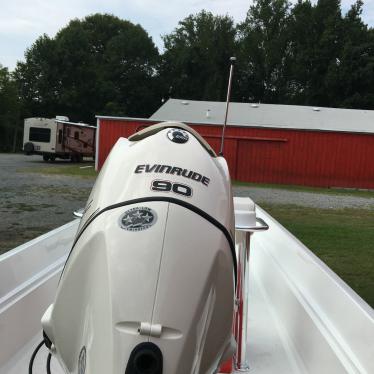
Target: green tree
(353, 76)
(195, 63)
(334, 65)
(38, 78)
(9, 111)
(98, 65)
(325, 50)
(302, 51)
(264, 46)
(328, 44)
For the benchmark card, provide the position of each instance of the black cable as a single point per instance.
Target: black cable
(173, 200)
(49, 363)
(36, 350)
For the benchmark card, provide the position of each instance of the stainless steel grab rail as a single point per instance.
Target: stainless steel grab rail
(241, 363)
(263, 226)
(78, 213)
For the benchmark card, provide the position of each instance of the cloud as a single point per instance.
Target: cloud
(368, 12)
(23, 21)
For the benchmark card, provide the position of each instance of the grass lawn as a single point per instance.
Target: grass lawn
(325, 191)
(343, 239)
(77, 170)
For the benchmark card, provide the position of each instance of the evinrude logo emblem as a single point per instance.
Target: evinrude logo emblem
(178, 136)
(138, 219)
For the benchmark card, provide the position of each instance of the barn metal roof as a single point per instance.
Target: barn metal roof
(267, 115)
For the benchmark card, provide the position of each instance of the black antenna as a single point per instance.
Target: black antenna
(232, 62)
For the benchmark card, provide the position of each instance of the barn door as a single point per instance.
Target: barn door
(261, 161)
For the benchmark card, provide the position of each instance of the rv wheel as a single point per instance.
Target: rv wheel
(77, 157)
(52, 158)
(46, 157)
(28, 148)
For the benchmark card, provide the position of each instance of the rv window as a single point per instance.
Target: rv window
(76, 135)
(38, 134)
(59, 136)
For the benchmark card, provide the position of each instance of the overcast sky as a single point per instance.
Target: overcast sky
(22, 21)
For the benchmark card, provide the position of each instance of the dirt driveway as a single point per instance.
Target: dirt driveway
(33, 203)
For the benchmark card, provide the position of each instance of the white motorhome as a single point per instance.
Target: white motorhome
(58, 138)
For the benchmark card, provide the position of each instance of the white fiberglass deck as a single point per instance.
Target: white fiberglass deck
(267, 351)
(302, 317)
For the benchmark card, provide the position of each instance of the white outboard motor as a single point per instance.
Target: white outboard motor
(148, 287)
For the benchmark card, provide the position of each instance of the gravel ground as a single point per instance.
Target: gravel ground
(32, 204)
(307, 199)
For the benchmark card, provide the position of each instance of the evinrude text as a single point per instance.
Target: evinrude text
(173, 170)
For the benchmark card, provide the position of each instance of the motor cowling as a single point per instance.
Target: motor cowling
(148, 287)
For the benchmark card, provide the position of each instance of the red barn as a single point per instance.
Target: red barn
(268, 143)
